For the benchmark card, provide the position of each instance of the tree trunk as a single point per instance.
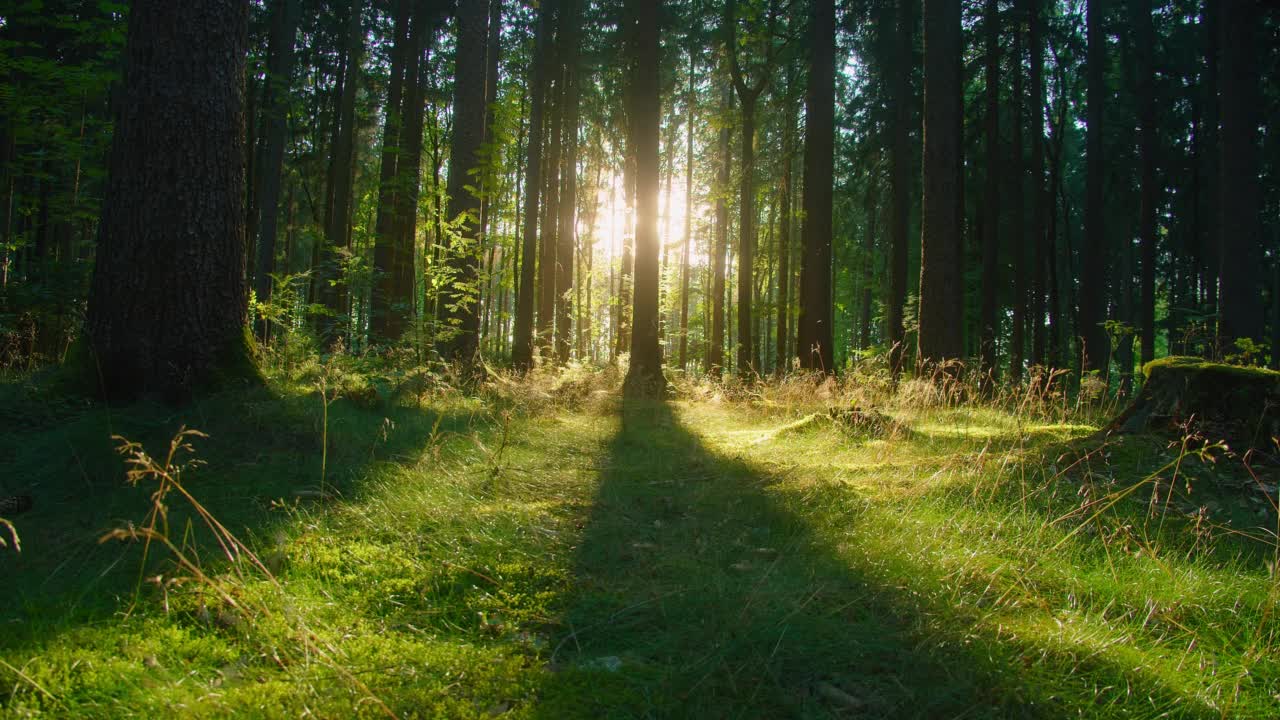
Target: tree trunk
(1145, 47)
(900, 178)
(1093, 271)
(384, 249)
(338, 228)
(784, 243)
(1240, 313)
(522, 352)
(284, 26)
(1017, 338)
(1039, 240)
(715, 357)
(459, 341)
(691, 109)
(746, 235)
(990, 311)
(549, 242)
(168, 303)
(941, 316)
(644, 378)
(567, 233)
(815, 336)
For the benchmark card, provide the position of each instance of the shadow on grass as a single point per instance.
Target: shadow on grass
(703, 589)
(262, 453)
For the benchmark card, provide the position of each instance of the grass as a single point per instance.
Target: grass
(543, 550)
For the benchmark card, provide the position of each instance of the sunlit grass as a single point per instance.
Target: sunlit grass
(544, 552)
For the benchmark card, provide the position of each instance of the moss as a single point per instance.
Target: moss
(1183, 363)
(238, 363)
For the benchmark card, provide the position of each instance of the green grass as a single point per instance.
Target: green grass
(548, 552)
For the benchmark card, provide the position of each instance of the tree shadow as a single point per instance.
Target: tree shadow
(261, 463)
(702, 589)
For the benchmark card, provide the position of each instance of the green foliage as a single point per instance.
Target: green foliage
(570, 556)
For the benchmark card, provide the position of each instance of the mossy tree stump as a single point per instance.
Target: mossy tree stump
(1227, 402)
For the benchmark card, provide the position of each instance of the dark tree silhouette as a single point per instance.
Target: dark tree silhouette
(815, 336)
(644, 377)
(168, 304)
(941, 312)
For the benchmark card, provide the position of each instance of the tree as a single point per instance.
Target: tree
(644, 377)
(991, 194)
(458, 317)
(941, 312)
(1041, 247)
(169, 301)
(748, 94)
(284, 26)
(331, 284)
(715, 355)
(522, 351)
(568, 202)
(900, 177)
(1240, 314)
(691, 111)
(1093, 353)
(386, 254)
(814, 328)
(1145, 48)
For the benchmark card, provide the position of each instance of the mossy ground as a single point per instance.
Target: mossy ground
(554, 552)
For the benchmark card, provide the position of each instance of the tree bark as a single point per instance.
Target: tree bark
(568, 201)
(169, 298)
(900, 178)
(815, 336)
(715, 357)
(1240, 312)
(941, 316)
(384, 248)
(459, 339)
(1093, 275)
(644, 377)
(1039, 240)
(522, 352)
(990, 311)
(691, 110)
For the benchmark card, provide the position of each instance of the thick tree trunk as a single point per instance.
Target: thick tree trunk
(284, 26)
(522, 352)
(1241, 315)
(815, 336)
(644, 378)
(168, 303)
(459, 339)
(941, 316)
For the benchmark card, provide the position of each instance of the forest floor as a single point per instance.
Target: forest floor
(550, 552)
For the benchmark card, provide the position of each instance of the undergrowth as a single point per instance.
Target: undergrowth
(363, 538)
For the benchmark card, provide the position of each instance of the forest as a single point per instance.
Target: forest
(639, 358)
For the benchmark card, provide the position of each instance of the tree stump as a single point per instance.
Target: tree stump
(1240, 405)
